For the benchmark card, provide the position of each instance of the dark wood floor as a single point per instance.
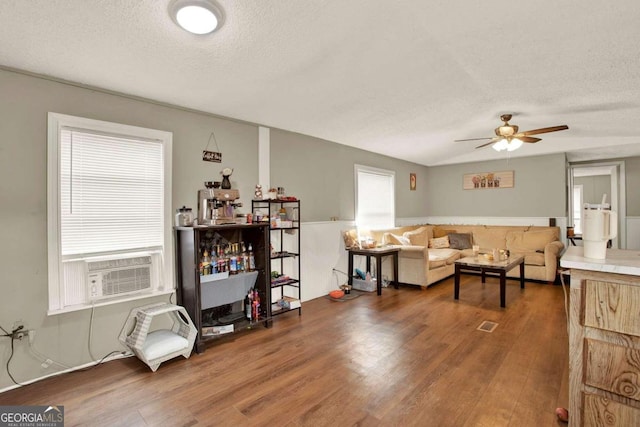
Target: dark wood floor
(409, 357)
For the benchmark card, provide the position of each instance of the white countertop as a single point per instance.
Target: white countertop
(618, 261)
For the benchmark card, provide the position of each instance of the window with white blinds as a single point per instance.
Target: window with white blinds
(375, 197)
(109, 199)
(111, 193)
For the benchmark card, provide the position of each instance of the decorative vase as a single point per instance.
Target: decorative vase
(226, 184)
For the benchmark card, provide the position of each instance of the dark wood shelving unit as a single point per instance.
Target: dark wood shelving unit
(220, 302)
(288, 289)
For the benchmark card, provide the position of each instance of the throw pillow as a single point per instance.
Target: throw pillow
(460, 240)
(439, 242)
(350, 239)
(417, 237)
(394, 239)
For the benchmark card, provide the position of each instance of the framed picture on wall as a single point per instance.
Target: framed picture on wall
(487, 180)
(412, 181)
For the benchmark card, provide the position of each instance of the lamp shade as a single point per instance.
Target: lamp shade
(503, 144)
(514, 144)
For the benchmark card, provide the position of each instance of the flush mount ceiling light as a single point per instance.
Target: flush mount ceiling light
(196, 16)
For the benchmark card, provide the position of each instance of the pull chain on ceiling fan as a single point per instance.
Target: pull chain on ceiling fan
(508, 138)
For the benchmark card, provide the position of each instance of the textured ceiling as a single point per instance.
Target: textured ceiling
(399, 78)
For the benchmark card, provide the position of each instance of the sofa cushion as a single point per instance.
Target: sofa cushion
(531, 258)
(439, 242)
(447, 255)
(466, 252)
(441, 231)
(459, 240)
(490, 238)
(394, 239)
(436, 263)
(529, 241)
(418, 237)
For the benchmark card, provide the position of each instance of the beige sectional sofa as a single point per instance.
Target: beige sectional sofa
(420, 264)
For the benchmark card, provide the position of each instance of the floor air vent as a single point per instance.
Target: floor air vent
(487, 326)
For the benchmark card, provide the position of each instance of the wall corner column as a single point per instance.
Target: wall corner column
(264, 162)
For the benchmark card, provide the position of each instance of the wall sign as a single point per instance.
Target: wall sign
(487, 180)
(211, 156)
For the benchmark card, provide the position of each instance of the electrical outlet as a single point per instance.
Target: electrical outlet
(32, 335)
(46, 363)
(18, 335)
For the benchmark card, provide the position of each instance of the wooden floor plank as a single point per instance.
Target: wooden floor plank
(408, 357)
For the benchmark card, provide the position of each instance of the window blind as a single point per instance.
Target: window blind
(111, 193)
(375, 196)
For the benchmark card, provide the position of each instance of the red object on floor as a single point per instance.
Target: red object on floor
(337, 294)
(563, 414)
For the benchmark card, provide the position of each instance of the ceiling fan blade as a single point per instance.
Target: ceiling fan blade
(488, 143)
(472, 139)
(529, 139)
(542, 130)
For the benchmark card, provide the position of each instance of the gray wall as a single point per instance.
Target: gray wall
(632, 172)
(321, 174)
(593, 187)
(539, 189)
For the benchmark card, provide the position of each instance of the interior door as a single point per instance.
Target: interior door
(592, 183)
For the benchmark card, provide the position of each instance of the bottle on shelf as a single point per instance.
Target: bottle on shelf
(248, 305)
(251, 259)
(244, 256)
(233, 260)
(206, 264)
(214, 261)
(255, 305)
(225, 258)
(240, 257)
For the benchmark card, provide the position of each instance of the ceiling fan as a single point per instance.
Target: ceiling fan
(508, 138)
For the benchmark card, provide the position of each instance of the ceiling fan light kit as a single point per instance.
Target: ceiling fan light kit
(196, 16)
(508, 138)
(511, 144)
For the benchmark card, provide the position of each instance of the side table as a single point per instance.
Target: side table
(378, 254)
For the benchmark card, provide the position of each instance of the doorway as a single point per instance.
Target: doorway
(594, 183)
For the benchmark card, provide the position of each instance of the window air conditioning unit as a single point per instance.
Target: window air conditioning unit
(107, 278)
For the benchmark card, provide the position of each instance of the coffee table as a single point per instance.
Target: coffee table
(484, 265)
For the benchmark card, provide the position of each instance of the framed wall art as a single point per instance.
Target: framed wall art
(412, 181)
(487, 180)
